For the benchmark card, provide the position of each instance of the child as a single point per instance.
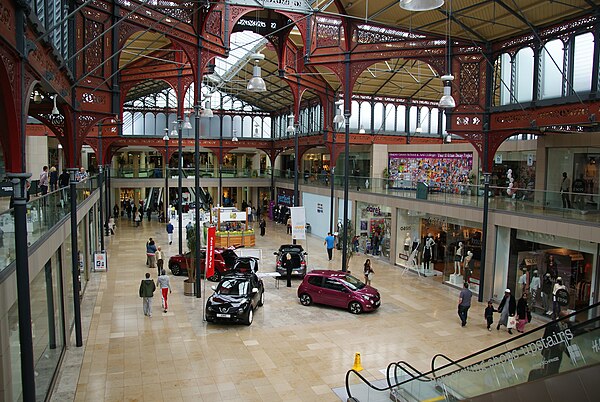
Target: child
(489, 315)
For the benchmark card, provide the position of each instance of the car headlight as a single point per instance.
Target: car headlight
(366, 297)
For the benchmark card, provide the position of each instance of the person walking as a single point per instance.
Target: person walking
(44, 180)
(262, 225)
(507, 308)
(522, 310)
(170, 232)
(565, 186)
(151, 254)
(464, 303)
(368, 271)
(489, 315)
(159, 255)
(329, 243)
(147, 288)
(164, 283)
(137, 218)
(53, 180)
(289, 265)
(148, 245)
(289, 225)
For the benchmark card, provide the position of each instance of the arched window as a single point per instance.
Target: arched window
(552, 58)
(365, 116)
(390, 117)
(424, 119)
(227, 126)
(354, 115)
(413, 118)
(504, 77)
(582, 62)
(138, 124)
(378, 112)
(524, 78)
(435, 114)
(400, 119)
(149, 124)
(247, 127)
(127, 123)
(266, 127)
(237, 126)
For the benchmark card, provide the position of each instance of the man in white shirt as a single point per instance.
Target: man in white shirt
(44, 180)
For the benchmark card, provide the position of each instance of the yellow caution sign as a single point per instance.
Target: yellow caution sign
(357, 366)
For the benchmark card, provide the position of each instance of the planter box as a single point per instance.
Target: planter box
(189, 288)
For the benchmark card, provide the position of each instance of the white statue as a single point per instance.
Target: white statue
(458, 258)
(467, 264)
(407, 242)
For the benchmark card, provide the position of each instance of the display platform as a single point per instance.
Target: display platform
(419, 270)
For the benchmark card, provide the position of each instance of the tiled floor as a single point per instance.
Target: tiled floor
(290, 352)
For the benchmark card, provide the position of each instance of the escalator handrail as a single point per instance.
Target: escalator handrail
(565, 318)
(455, 362)
(433, 359)
(399, 365)
(390, 386)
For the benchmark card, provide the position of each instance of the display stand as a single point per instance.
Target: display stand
(225, 238)
(456, 279)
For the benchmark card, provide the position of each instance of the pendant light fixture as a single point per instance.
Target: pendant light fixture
(447, 101)
(338, 118)
(290, 128)
(187, 125)
(420, 5)
(256, 83)
(207, 111)
(55, 110)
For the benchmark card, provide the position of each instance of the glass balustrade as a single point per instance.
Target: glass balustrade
(560, 346)
(43, 213)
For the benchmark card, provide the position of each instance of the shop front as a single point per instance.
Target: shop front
(439, 246)
(537, 261)
(373, 228)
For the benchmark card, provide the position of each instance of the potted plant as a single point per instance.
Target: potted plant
(189, 285)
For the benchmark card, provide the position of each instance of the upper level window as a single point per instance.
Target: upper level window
(552, 59)
(524, 75)
(582, 62)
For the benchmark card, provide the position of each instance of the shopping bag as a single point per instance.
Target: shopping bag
(512, 322)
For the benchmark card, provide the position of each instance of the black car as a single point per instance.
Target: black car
(298, 259)
(235, 298)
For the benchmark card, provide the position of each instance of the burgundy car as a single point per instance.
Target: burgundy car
(338, 289)
(224, 260)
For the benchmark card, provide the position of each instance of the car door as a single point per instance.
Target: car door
(255, 297)
(314, 288)
(334, 293)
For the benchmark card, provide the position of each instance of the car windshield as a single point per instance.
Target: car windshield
(233, 287)
(352, 282)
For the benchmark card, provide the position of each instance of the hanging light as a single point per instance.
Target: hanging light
(207, 111)
(37, 97)
(361, 130)
(187, 125)
(448, 138)
(338, 118)
(174, 132)
(447, 101)
(418, 130)
(234, 137)
(55, 111)
(256, 83)
(420, 5)
(290, 128)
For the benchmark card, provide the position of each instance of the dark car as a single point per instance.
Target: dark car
(235, 298)
(298, 259)
(224, 260)
(338, 289)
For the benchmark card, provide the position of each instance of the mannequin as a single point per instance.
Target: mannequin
(468, 269)
(458, 258)
(523, 280)
(534, 286)
(552, 268)
(555, 306)
(547, 285)
(407, 242)
(427, 250)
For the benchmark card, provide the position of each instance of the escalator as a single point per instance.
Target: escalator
(562, 346)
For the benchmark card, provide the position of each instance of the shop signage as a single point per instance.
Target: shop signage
(319, 208)
(229, 216)
(529, 159)
(100, 262)
(374, 209)
(530, 261)
(562, 297)
(498, 159)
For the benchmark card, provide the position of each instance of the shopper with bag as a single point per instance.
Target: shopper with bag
(522, 310)
(165, 287)
(507, 309)
(368, 271)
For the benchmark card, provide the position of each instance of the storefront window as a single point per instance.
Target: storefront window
(521, 165)
(373, 228)
(453, 247)
(538, 261)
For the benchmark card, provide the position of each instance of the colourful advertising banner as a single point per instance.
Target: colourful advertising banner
(210, 252)
(442, 171)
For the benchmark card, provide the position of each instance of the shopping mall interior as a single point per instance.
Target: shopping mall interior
(454, 144)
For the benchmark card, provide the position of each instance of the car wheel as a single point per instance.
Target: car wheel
(305, 299)
(262, 298)
(175, 269)
(249, 316)
(355, 307)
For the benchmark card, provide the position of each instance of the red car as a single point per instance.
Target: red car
(338, 289)
(224, 260)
